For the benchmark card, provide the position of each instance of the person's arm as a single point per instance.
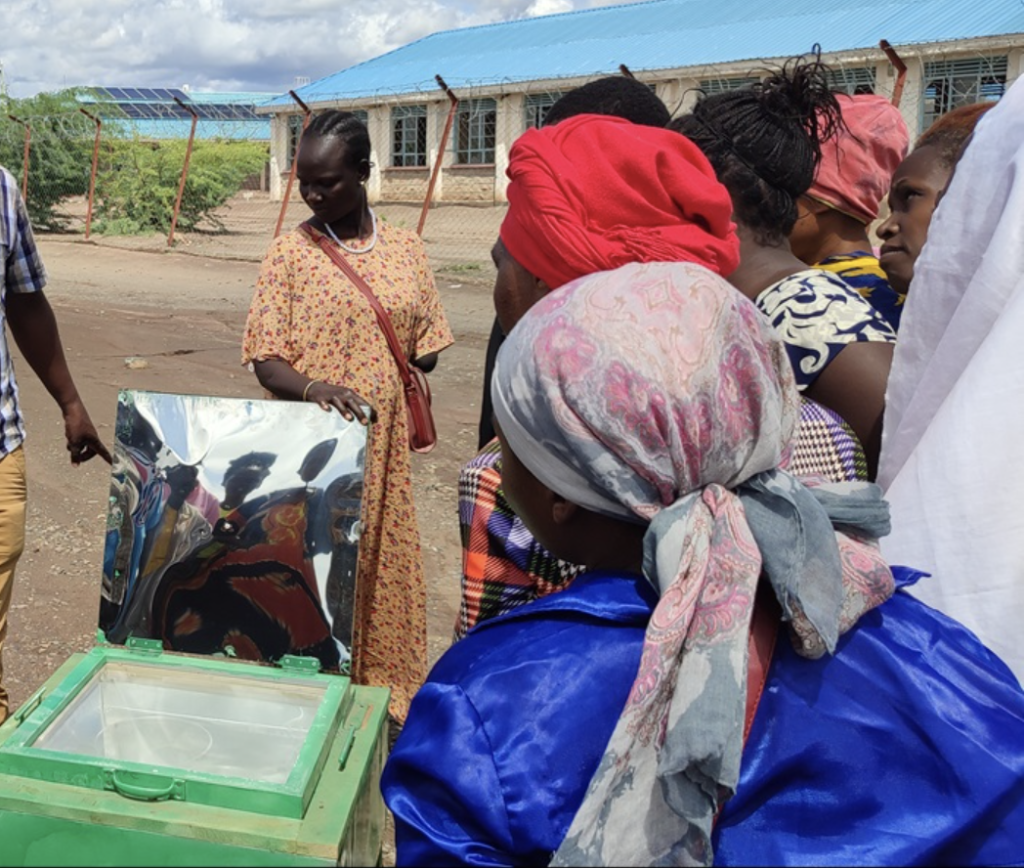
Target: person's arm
(442, 787)
(426, 363)
(853, 385)
(282, 380)
(34, 328)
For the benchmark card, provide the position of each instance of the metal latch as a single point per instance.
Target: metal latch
(299, 665)
(140, 645)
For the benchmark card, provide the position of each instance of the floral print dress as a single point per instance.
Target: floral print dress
(307, 313)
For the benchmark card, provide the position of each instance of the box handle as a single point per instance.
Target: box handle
(173, 789)
(346, 747)
(33, 703)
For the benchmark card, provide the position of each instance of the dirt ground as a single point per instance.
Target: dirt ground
(180, 318)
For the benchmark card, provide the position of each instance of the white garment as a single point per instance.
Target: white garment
(952, 457)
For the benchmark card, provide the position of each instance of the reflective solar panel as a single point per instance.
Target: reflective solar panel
(116, 93)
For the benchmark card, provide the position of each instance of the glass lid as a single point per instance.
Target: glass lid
(220, 723)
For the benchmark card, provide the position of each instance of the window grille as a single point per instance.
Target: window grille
(537, 106)
(477, 126)
(858, 79)
(712, 86)
(949, 84)
(409, 135)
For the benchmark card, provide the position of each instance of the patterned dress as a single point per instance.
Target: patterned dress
(307, 313)
(817, 314)
(862, 271)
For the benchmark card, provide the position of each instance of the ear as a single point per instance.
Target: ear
(562, 510)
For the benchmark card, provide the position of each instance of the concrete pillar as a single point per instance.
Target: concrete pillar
(278, 155)
(378, 123)
(912, 103)
(1014, 65)
(437, 116)
(510, 124)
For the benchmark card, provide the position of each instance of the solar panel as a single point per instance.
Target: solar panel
(115, 93)
(148, 93)
(180, 94)
(131, 110)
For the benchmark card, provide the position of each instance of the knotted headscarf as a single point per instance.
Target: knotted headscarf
(683, 429)
(595, 192)
(857, 164)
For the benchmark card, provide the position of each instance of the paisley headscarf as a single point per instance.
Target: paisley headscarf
(594, 192)
(683, 429)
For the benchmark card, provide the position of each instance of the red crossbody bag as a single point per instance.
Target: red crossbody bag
(422, 433)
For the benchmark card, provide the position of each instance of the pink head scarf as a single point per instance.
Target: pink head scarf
(595, 192)
(857, 165)
(658, 393)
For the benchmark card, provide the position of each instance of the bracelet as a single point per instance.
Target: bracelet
(306, 390)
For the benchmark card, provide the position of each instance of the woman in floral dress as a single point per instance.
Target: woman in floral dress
(311, 335)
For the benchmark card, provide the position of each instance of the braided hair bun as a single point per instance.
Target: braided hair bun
(764, 141)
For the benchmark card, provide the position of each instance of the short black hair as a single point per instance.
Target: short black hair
(346, 127)
(616, 95)
(764, 142)
(949, 134)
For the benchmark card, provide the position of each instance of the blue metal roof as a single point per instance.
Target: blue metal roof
(660, 34)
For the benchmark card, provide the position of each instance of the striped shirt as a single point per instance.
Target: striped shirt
(22, 272)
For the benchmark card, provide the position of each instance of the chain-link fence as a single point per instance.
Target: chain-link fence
(447, 149)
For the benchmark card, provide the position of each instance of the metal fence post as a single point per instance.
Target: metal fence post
(92, 173)
(184, 168)
(901, 71)
(440, 152)
(295, 162)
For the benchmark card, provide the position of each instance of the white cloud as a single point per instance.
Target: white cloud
(548, 7)
(257, 45)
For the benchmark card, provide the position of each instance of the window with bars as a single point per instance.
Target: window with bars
(295, 132)
(949, 84)
(721, 85)
(477, 121)
(858, 79)
(409, 135)
(537, 106)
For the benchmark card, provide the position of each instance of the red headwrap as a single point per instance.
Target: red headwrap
(593, 193)
(856, 167)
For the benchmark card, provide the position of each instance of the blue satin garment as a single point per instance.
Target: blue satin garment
(905, 748)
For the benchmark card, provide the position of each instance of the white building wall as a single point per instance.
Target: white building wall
(677, 88)
(511, 124)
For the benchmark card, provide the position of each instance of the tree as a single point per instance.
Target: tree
(61, 151)
(139, 185)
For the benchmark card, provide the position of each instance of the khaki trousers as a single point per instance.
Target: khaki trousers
(13, 495)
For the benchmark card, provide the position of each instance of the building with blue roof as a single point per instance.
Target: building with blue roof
(506, 75)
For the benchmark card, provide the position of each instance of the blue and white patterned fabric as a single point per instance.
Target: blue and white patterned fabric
(22, 272)
(817, 314)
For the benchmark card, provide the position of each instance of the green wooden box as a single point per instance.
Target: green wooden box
(97, 768)
(232, 532)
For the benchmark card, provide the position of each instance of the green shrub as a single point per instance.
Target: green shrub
(138, 185)
(61, 151)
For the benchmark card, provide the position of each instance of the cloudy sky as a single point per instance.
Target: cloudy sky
(226, 45)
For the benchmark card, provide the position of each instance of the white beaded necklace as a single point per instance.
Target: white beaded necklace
(343, 246)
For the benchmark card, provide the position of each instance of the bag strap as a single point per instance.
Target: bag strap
(764, 629)
(382, 315)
